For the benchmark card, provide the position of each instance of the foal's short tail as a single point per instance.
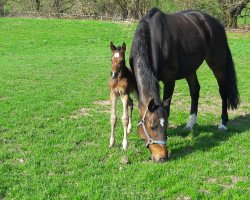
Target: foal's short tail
(233, 99)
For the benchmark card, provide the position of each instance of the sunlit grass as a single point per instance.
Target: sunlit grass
(54, 121)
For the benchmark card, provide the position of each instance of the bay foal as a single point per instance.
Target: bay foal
(122, 83)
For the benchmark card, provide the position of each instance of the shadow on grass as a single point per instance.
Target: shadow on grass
(204, 142)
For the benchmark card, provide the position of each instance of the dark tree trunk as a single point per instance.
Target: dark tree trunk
(232, 21)
(56, 5)
(1, 8)
(38, 5)
(124, 8)
(231, 11)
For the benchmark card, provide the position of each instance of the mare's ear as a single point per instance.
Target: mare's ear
(152, 106)
(112, 46)
(123, 47)
(167, 102)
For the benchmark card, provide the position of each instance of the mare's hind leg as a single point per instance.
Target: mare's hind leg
(113, 118)
(125, 99)
(130, 110)
(219, 71)
(194, 89)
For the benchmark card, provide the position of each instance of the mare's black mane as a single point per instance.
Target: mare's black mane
(143, 51)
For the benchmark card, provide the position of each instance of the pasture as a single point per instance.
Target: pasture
(54, 121)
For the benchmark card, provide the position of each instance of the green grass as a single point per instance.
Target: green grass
(54, 121)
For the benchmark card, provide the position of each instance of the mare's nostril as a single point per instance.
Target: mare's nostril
(161, 160)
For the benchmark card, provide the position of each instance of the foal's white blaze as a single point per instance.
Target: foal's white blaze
(191, 122)
(222, 127)
(117, 55)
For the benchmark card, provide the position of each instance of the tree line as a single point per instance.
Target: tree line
(226, 10)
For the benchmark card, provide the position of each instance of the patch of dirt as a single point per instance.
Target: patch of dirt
(80, 113)
(205, 191)
(183, 198)
(212, 180)
(2, 98)
(102, 102)
(103, 106)
(231, 184)
(245, 29)
(234, 181)
(209, 105)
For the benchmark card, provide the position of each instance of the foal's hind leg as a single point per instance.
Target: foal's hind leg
(194, 89)
(130, 110)
(125, 120)
(113, 118)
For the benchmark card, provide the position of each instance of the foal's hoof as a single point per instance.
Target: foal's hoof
(129, 128)
(124, 144)
(111, 144)
(222, 127)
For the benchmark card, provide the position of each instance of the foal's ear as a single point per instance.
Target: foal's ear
(112, 46)
(123, 47)
(152, 106)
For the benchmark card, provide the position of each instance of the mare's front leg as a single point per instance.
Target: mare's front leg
(167, 94)
(130, 110)
(194, 89)
(125, 120)
(113, 118)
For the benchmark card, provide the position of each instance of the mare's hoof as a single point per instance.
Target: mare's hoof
(188, 128)
(222, 127)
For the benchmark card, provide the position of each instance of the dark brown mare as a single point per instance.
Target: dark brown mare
(168, 47)
(122, 83)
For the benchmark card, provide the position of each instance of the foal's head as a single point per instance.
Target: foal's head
(117, 59)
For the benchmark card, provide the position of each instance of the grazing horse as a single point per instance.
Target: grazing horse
(168, 47)
(122, 83)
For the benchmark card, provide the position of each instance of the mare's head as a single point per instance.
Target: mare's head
(117, 59)
(152, 129)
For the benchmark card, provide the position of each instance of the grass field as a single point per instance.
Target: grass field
(54, 121)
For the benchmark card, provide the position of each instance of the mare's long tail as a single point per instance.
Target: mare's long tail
(233, 99)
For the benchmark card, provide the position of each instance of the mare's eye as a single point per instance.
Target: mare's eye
(154, 126)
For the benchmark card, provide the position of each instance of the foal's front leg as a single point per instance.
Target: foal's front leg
(130, 111)
(125, 99)
(113, 118)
